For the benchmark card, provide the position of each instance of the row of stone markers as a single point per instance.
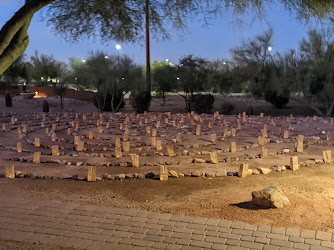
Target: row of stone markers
(244, 171)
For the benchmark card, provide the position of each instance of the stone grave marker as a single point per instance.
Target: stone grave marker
(80, 146)
(159, 145)
(233, 147)
(163, 173)
(117, 142)
(243, 170)
(300, 143)
(327, 154)
(153, 141)
(170, 150)
(118, 152)
(126, 146)
(214, 157)
(213, 138)
(196, 144)
(55, 150)
(294, 163)
(264, 153)
(37, 157)
(261, 141)
(135, 160)
(9, 171)
(198, 130)
(91, 176)
(126, 136)
(19, 147)
(91, 135)
(37, 142)
(53, 137)
(19, 133)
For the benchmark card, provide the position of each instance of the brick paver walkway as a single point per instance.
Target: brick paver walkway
(93, 227)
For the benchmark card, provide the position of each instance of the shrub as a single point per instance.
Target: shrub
(45, 105)
(227, 108)
(250, 110)
(140, 101)
(203, 103)
(8, 99)
(278, 101)
(102, 101)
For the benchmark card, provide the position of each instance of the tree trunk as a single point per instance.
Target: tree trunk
(13, 35)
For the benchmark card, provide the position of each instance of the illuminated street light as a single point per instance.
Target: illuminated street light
(177, 78)
(83, 60)
(106, 57)
(166, 60)
(118, 47)
(270, 48)
(224, 62)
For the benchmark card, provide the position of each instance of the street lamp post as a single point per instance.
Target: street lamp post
(118, 47)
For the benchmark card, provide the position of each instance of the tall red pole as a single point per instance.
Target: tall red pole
(148, 66)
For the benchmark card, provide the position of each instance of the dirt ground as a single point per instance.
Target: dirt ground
(309, 190)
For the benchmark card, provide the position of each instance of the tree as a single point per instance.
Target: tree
(191, 77)
(18, 70)
(164, 78)
(113, 78)
(314, 74)
(123, 20)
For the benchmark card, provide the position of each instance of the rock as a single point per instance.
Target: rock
(196, 173)
(254, 145)
(181, 174)
(210, 174)
(173, 174)
(130, 176)
(197, 160)
(141, 176)
(66, 177)
(221, 173)
(98, 178)
(229, 173)
(264, 170)
(74, 154)
(79, 163)
(271, 197)
(150, 175)
(319, 161)
(255, 171)
(250, 171)
(286, 150)
(120, 176)
(283, 168)
(187, 173)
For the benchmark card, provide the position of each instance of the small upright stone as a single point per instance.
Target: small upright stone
(214, 157)
(9, 171)
(294, 163)
(37, 157)
(91, 174)
(233, 147)
(300, 146)
(327, 156)
(243, 170)
(163, 173)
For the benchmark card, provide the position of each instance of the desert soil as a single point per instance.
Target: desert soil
(310, 190)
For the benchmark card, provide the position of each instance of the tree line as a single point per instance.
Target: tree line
(305, 74)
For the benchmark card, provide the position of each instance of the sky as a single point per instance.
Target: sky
(210, 42)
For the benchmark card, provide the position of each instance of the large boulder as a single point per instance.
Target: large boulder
(271, 197)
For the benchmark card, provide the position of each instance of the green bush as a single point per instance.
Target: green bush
(227, 108)
(8, 99)
(140, 101)
(203, 103)
(102, 101)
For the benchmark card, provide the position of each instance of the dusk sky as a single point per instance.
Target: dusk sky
(211, 42)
